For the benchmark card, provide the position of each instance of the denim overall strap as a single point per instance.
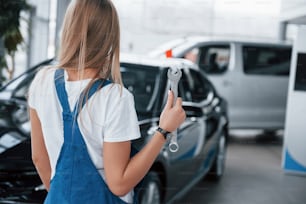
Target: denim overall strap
(76, 179)
(95, 87)
(61, 92)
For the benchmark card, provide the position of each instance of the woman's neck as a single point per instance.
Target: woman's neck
(75, 75)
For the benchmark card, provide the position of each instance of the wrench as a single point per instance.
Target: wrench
(174, 74)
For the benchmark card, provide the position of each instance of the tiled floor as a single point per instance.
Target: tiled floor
(253, 176)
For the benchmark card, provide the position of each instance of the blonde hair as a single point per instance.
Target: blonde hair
(91, 39)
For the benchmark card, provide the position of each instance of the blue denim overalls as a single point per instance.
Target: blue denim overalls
(76, 179)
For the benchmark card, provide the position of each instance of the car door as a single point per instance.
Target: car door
(191, 137)
(205, 98)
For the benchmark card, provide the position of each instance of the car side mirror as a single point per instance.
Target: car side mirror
(193, 111)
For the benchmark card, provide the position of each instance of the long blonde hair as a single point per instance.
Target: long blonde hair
(91, 39)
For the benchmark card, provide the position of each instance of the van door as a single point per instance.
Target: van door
(264, 85)
(219, 61)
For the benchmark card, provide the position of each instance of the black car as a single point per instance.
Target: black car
(202, 138)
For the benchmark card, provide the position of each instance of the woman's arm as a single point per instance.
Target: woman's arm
(122, 172)
(39, 152)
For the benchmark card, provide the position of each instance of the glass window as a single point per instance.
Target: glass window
(192, 55)
(300, 75)
(198, 86)
(266, 60)
(214, 59)
(192, 86)
(183, 88)
(141, 81)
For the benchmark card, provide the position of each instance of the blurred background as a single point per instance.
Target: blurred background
(147, 24)
(255, 76)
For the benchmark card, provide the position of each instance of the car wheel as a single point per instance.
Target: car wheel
(151, 193)
(218, 167)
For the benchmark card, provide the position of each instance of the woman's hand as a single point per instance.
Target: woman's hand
(122, 172)
(173, 115)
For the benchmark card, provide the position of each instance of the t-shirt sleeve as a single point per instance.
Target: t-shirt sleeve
(33, 89)
(121, 119)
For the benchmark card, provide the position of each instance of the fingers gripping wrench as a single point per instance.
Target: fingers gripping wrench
(174, 75)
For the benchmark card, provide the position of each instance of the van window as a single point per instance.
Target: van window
(214, 59)
(266, 60)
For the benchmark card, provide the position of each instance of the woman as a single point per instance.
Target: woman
(89, 54)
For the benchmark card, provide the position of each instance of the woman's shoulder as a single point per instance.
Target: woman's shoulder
(113, 94)
(45, 73)
(117, 90)
(40, 85)
(43, 79)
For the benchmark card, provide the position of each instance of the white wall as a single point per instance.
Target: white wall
(145, 24)
(294, 149)
(293, 12)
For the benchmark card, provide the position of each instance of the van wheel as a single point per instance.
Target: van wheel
(151, 193)
(218, 167)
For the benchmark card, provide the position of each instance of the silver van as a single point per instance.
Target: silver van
(251, 75)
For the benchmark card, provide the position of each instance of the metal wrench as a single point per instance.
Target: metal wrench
(174, 75)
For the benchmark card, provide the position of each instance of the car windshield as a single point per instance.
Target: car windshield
(142, 82)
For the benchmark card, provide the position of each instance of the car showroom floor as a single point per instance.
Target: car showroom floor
(253, 175)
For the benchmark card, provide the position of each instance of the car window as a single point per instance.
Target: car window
(192, 86)
(183, 88)
(214, 59)
(198, 86)
(266, 60)
(142, 82)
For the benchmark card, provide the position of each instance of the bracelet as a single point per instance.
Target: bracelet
(163, 132)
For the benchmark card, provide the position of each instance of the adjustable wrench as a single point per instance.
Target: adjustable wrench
(174, 74)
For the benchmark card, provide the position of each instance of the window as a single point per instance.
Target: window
(183, 88)
(192, 55)
(192, 86)
(266, 60)
(142, 81)
(300, 75)
(214, 59)
(199, 88)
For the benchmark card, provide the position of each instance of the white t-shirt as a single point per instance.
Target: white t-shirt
(108, 116)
